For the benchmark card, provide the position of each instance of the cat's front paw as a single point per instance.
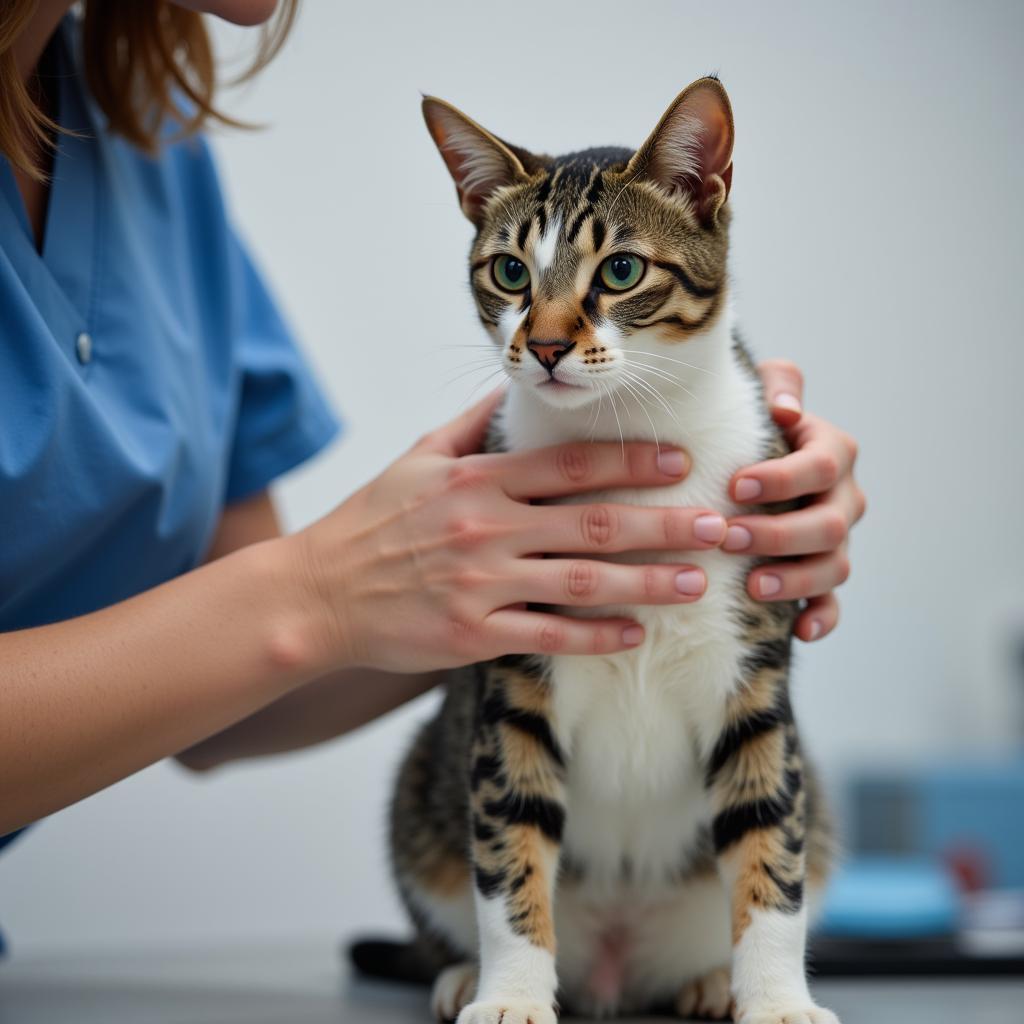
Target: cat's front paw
(508, 1011)
(800, 1013)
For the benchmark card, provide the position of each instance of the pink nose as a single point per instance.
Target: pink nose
(548, 353)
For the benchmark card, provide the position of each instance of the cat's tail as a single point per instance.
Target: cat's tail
(412, 962)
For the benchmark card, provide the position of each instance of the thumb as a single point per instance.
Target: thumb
(783, 390)
(466, 433)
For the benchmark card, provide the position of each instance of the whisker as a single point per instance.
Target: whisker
(597, 414)
(638, 381)
(656, 371)
(469, 372)
(619, 196)
(667, 377)
(672, 359)
(643, 408)
(618, 422)
(479, 384)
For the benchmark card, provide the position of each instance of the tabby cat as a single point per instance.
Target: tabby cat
(650, 810)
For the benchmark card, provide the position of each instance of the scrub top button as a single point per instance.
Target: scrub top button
(83, 348)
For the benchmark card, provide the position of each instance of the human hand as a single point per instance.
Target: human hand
(815, 537)
(432, 564)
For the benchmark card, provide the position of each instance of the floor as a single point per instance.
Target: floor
(305, 983)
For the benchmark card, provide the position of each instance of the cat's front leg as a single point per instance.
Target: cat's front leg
(518, 812)
(755, 779)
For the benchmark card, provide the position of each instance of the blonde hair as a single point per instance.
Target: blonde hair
(141, 59)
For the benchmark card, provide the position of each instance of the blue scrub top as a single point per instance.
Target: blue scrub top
(147, 378)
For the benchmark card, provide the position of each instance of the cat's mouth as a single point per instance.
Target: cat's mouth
(563, 394)
(554, 384)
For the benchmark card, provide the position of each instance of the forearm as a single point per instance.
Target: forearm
(89, 701)
(319, 711)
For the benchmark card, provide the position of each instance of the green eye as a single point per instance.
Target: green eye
(621, 271)
(510, 273)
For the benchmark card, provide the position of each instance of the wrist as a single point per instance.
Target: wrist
(312, 636)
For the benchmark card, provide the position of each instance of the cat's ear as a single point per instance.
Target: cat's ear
(479, 162)
(690, 152)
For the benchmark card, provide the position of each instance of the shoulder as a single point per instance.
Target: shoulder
(179, 177)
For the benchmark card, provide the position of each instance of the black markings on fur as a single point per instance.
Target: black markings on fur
(486, 767)
(488, 882)
(497, 710)
(643, 304)
(590, 307)
(482, 831)
(544, 191)
(542, 220)
(768, 654)
(574, 228)
(678, 321)
(524, 231)
(698, 291)
(529, 809)
(794, 843)
(539, 729)
(607, 158)
(599, 233)
(520, 880)
(479, 264)
(733, 823)
(792, 892)
(491, 305)
(523, 662)
(734, 737)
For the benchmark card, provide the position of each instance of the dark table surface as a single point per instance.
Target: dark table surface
(306, 983)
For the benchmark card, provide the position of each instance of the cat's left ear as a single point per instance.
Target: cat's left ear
(479, 162)
(690, 152)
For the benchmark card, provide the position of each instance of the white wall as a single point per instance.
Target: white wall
(877, 242)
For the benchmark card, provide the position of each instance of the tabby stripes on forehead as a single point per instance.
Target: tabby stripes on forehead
(587, 210)
(524, 231)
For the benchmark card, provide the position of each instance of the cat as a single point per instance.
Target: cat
(651, 809)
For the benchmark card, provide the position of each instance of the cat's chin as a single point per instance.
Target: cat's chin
(556, 394)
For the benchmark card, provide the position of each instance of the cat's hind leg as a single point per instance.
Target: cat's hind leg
(708, 997)
(453, 989)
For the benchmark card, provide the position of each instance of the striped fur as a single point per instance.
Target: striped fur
(647, 818)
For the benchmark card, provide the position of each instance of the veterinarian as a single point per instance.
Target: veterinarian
(150, 394)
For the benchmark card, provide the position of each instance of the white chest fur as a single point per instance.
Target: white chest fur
(634, 723)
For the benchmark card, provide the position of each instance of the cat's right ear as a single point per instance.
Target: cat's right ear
(478, 162)
(690, 152)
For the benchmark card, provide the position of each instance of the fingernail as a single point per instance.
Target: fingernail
(738, 538)
(769, 585)
(748, 489)
(672, 463)
(787, 401)
(709, 528)
(815, 629)
(633, 635)
(690, 582)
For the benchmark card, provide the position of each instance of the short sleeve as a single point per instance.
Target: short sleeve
(283, 417)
